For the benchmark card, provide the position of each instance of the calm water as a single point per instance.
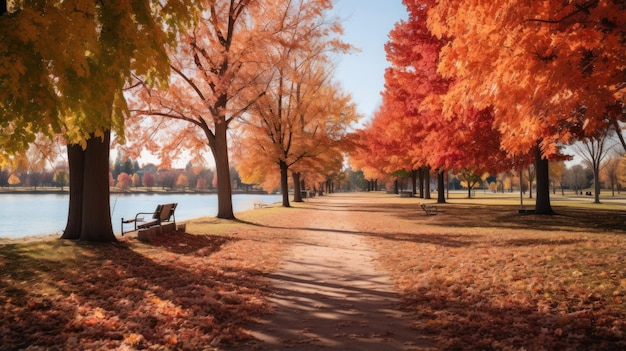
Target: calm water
(24, 215)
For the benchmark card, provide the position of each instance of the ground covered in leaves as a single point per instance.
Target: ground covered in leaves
(485, 277)
(474, 276)
(182, 291)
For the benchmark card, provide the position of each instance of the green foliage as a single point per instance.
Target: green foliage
(71, 79)
(61, 178)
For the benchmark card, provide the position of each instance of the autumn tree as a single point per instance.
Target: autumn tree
(300, 113)
(410, 129)
(215, 70)
(550, 70)
(611, 172)
(469, 179)
(136, 180)
(124, 181)
(61, 178)
(363, 155)
(182, 181)
(556, 171)
(148, 180)
(14, 180)
(201, 183)
(77, 91)
(593, 151)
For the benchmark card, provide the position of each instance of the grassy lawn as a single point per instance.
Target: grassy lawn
(480, 276)
(475, 276)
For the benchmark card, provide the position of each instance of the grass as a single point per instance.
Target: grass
(475, 276)
(480, 276)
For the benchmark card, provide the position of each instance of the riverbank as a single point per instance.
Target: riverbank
(475, 276)
(27, 215)
(140, 190)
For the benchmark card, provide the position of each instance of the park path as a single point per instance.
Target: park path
(328, 294)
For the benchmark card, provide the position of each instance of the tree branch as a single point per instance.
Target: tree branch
(584, 8)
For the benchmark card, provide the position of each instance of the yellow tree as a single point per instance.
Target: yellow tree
(14, 180)
(556, 172)
(70, 81)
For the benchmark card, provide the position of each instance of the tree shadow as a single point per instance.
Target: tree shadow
(109, 296)
(187, 244)
(479, 323)
(507, 216)
(438, 239)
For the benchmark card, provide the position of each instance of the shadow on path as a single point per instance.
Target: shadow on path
(329, 295)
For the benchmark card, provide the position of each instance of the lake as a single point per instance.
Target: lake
(23, 215)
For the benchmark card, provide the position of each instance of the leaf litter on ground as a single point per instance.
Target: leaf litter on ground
(471, 277)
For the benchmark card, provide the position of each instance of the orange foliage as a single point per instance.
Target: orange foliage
(301, 116)
(550, 70)
(409, 130)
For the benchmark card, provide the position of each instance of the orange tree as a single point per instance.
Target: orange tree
(215, 70)
(410, 128)
(300, 113)
(552, 71)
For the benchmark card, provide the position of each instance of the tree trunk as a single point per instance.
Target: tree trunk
(284, 182)
(530, 185)
(414, 181)
(297, 190)
(441, 192)
(596, 184)
(76, 160)
(96, 209)
(222, 170)
(427, 182)
(542, 204)
(421, 181)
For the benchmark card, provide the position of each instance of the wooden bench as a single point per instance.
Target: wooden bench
(260, 205)
(430, 210)
(162, 213)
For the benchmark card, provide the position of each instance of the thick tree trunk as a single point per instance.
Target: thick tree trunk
(76, 160)
(96, 209)
(542, 204)
(222, 169)
(414, 181)
(297, 190)
(284, 182)
(441, 194)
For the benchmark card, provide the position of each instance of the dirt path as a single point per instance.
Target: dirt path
(329, 294)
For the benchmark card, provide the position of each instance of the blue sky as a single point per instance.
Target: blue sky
(367, 24)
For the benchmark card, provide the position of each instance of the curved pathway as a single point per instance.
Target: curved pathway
(328, 294)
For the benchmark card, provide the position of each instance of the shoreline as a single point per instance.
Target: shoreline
(128, 192)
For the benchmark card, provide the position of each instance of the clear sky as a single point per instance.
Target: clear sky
(366, 24)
